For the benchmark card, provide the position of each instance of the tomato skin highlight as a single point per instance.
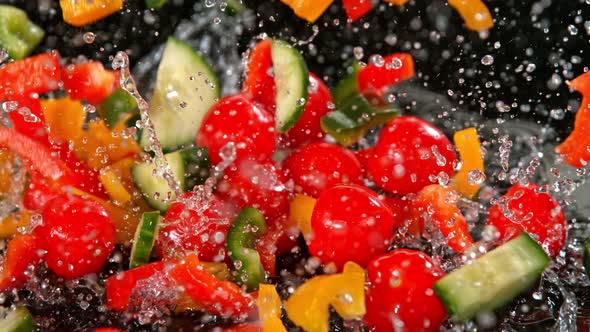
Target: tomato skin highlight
(308, 128)
(236, 119)
(537, 213)
(318, 166)
(350, 223)
(78, 235)
(403, 158)
(258, 184)
(185, 231)
(22, 251)
(401, 291)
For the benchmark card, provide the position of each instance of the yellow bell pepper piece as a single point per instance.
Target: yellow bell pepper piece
(308, 306)
(101, 146)
(269, 309)
(114, 187)
(10, 224)
(469, 146)
(7, 160)
(81, 12)
(397, 2)
(65, 118)
(308, 10)
(476, 15)
(300, 211)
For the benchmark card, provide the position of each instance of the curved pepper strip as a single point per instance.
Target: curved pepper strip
(575, 147)
(89, 81)
(436, 204)
(80, 13)
(373, 79)
(469, 147)
(23, 251)
(300, 211)
(308, 307)
(269, 309)
(476, 15)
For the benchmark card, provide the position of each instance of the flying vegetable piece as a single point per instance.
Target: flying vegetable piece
(18, 34)
(308, 307)
(356, 9)
(575, 147)
(269, 309)
(469, 147)
(308, 10)
(23, 251)
(476, 15)
(80, 13)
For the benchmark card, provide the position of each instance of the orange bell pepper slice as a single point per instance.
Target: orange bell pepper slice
(114, 187)
(64, 117)
(81, 12)
(476, 15)
(469, 146)
(397, 2)
(269, 309)
(10, 224)
(7, 160)
(22, 251)
(575, 147)
(300, 211)
(308, 10)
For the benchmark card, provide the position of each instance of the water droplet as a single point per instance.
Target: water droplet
(572, 30)
(487, 60)
(475, 177)
(89, 37)
(358, 52)
(396, 63)
(377, 60)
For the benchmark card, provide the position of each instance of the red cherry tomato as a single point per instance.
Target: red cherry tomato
(185, 230)
(308, 127)
(235, 119)
(400, 296)
(259, 84)
(38, 193)
(350, 223)
(318, 166)
(536, 213)
(78, 235)
(408, 152)
(403, 214)
(258, 184)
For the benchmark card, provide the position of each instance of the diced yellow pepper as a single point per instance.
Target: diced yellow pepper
(469, 146)
(269, 309)
(308, 10)
(10, 224)
(300, 211)
(476, 15)
(7, 159)
(114, 187)
(308, 307)
(102, 147)
(81, 12)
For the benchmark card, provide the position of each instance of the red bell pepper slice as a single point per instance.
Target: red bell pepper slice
(38, 193)
(36, 74)
(107, 329)
(436, 204)
(23, 251)
(274, 242)
(89, 81)
(120, 286)
(248, 327)
(222, 298)
(28, 118)
(575, 147)
(396, 68)
(38, 156)
(259, 85)
(356, 9)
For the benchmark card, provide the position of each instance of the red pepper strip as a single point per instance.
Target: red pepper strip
(28, 118)
(89, 81)
(437, 204)
(396, 68)
(107, 329)
(276, 241)
(575, 147)
(38, 193)
(39, 156)
(356, 9)
(22, 252)
(222, 298)
(259, 85)
(36, 74)
(248, 327)
(119, 287)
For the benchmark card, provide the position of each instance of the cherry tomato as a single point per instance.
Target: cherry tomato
(400, 296)
(38, 193)
(259, 184)
(308, 127)
(350, 223)
(235, 119)
(539, 214)
(187, 230)
(78, 235)
(408, 153)
(318, 166)
(402, 209)
(259, 84)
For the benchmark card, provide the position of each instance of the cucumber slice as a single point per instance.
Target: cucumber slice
(186, 88)
(117, 106)
(18, 320)
(190, 167)
(145, 237)
(292, 79)
(494, 279)
(234, 7)
(352, 119)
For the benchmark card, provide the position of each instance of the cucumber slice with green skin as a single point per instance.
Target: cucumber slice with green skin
(18, 320)
(186, 88)
(117, 106)
(248, 226)
(145, 237)
(347, 87)
(352, 119)
(190, 167)
(494, 279)
(292, 80)
(234, 7)
(587, 256)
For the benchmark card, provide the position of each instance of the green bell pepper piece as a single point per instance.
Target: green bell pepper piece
(18, 35)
